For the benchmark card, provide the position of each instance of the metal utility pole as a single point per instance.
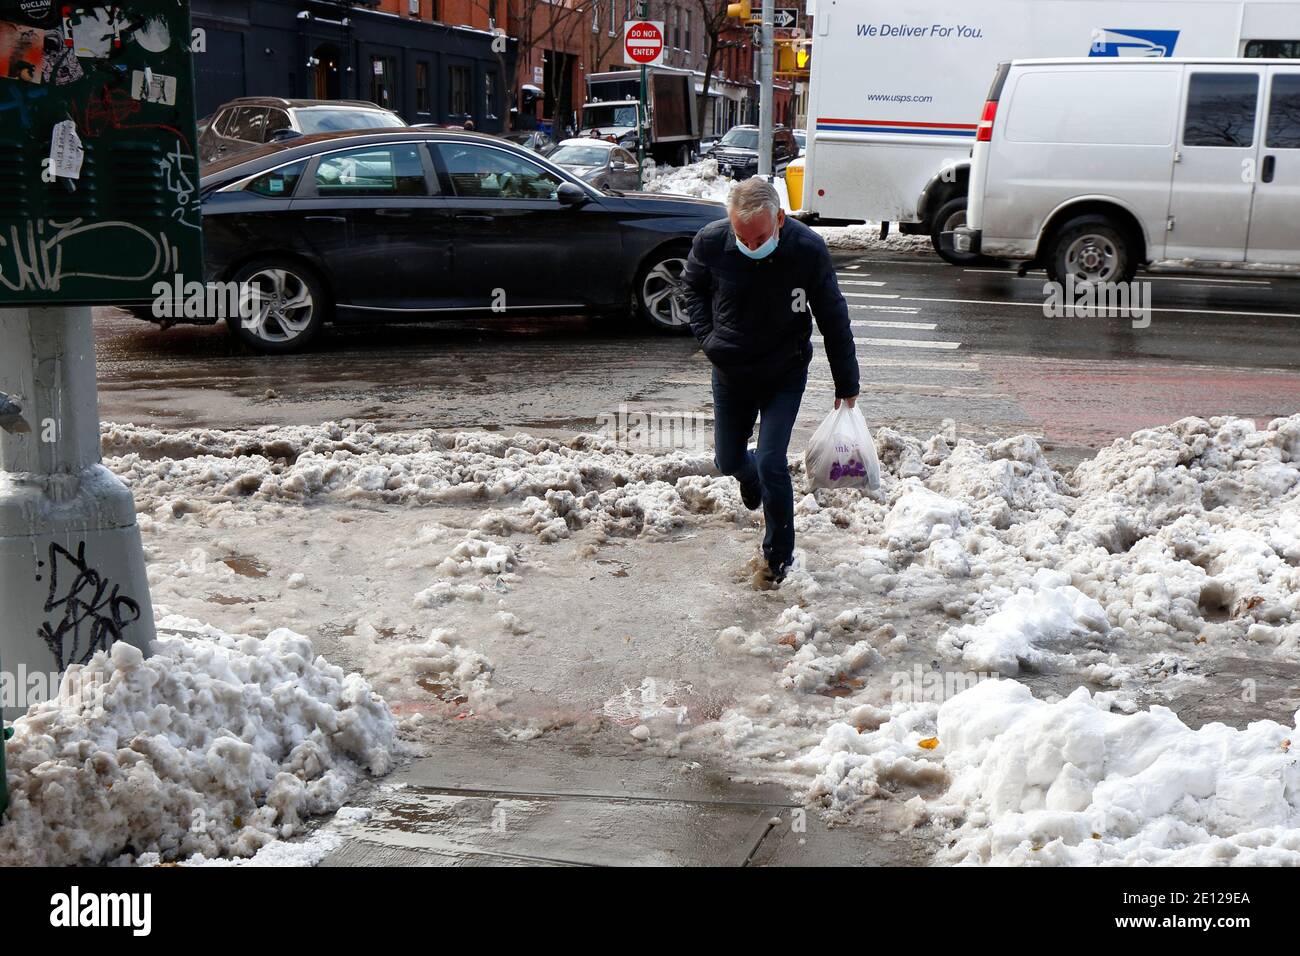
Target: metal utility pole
(642, 11)
(765, 93)
(72, 573)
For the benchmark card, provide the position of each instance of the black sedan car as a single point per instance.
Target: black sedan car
(409, 224)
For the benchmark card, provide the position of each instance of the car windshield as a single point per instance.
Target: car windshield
(801, 137)
(594, 117)
(579, 156)
(328, 119)
(741, 138)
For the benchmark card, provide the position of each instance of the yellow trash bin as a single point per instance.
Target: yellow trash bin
(794, 183)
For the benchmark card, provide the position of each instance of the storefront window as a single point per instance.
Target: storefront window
(383, 81)
(458, 96)
(423, 103)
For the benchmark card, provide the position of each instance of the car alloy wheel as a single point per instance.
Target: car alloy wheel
(284, 304)
(663, 294)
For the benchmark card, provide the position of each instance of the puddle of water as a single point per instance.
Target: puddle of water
(245, 565)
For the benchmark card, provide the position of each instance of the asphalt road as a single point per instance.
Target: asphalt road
(934, 342)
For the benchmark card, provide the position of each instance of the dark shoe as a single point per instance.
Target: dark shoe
(752, 495)
(766, 576)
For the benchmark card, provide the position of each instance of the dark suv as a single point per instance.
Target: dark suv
(737, 152)
(250, 121)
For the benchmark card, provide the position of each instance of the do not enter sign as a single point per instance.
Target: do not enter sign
(643, 41)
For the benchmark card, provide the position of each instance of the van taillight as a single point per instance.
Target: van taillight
(984, 132)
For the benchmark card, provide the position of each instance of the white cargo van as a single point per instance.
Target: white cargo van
(1093, 168)
(896, 88)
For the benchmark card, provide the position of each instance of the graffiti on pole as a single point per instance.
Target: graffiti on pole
(94, 613)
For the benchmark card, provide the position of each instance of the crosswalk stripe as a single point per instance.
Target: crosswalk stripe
(901, 343)
(860, 282)
(869, 295)
(905, 262)
(891, 324)
(901, 309)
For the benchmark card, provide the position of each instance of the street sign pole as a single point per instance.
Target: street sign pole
(765, 94)
(100, 206)
(642, 11)
(72, 571)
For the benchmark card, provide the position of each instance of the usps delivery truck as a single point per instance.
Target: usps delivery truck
(896, 88)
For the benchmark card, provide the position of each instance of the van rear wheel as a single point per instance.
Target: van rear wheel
(1091, 250)
(951, 215)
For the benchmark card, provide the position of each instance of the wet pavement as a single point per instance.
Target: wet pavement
(482, 801)
(934, 342)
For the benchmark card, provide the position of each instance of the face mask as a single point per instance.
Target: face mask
(763, 251)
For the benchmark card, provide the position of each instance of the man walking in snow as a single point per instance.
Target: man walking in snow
(750, 282)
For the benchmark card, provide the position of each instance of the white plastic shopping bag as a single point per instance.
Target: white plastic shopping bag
(842, 453)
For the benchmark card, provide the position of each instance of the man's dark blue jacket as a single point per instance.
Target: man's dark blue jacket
(747, 314)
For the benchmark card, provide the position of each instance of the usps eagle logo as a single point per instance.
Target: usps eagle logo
(1149, 43)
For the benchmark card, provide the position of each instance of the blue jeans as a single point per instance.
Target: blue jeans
(737, 403)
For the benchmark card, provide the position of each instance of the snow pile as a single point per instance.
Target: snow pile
(701, 180)
(217, 745)
(1031, 621)
(205, 472)
(1009, 779)
(1072, 783)
(440, 666)
(867, 237)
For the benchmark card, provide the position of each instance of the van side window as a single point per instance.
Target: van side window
(1284, 112)
(1221, 109)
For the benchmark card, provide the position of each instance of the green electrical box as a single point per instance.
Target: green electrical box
(99, 181)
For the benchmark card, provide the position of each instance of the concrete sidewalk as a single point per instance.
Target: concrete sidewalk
(483, 801)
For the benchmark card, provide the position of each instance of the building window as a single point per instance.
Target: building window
(423, 103)
(677, 28)
(490, 95)
(383, 81)
(688, 31)
(458, 96)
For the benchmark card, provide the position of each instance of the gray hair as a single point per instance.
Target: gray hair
(753, 196)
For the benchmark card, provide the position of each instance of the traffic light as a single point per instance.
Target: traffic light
(793, 57)
(785, 56)
(803, 56)
(741, 10)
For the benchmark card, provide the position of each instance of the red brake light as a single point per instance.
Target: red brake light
(984, 132)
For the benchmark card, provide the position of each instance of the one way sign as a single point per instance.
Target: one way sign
(785, 17)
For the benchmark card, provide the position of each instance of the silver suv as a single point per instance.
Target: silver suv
(250, 121)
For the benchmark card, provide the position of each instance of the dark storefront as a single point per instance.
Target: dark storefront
(318, 49)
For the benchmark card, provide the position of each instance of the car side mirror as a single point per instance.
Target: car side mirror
(618, 167)
(283, 134)
(570, 194)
